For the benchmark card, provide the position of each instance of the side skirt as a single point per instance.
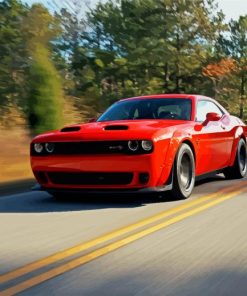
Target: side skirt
(209, 175)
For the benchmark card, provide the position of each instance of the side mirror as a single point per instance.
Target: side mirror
(92, 120)
(211, 116)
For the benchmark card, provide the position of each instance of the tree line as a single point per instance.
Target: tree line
(117, 49)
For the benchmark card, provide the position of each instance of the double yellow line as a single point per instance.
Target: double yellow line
(122, 237)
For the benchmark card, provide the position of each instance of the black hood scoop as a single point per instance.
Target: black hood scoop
(70, 129)
(116, 127)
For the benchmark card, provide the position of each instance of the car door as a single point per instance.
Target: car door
(214, 140)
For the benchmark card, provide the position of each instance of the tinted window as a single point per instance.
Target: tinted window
(204, 107)
(149, 109)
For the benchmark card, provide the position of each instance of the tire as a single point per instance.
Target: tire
(184, 173)
(239, 169)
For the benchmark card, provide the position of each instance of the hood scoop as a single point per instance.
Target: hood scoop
(70, 129)
(116, 127)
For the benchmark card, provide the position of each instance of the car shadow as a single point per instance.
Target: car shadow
(42, 202)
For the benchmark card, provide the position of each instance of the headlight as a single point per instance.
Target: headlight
(147, 145)
(133, 145)
(38, 147)
(49, 147)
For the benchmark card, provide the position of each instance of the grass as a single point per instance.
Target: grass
(15, 141)
(14, 156)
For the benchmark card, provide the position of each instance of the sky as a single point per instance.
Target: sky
(231, 8)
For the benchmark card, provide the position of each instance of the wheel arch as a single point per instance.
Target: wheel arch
(190, 144)
(240, 133)
(166, 174)
(242, 136)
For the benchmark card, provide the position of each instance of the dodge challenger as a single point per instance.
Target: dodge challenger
(143, 144)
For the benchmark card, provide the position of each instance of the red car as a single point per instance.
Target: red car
(143, 144)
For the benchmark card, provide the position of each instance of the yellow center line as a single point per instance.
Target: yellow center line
(111, 235)
(27, 284)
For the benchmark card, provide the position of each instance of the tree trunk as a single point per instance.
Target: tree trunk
(177, 80)
(166, 78)
(215, 88)
(177, 66)
(165, 84)
(242, 95)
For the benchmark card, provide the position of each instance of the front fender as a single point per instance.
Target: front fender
(177, 138)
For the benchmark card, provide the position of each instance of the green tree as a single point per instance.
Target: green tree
(238, 50)
(12, 52)
(164, 51)
(45, 98)
(79, 76)
(118, 49)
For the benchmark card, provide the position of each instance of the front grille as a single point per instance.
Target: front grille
(89, 178)
(87, 148)
(80, 148)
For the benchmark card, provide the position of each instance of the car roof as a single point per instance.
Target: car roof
(170, 96)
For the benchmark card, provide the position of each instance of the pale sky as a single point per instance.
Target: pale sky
(231, 8)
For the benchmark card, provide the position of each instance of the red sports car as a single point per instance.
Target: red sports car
(143, 144)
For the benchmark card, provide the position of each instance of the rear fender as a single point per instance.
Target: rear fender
(241, 132)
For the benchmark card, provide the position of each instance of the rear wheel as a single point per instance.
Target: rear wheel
(239, 169)
(184, 173)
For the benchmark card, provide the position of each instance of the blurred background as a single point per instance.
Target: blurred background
(64, 62)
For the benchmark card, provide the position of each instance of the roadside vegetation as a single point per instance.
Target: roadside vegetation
(68, 66)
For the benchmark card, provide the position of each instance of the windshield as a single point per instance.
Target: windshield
(179, 109)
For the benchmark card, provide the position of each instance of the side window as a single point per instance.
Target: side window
(136, 113)
(204, 107)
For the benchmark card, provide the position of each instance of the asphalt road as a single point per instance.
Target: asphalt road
(135, 245)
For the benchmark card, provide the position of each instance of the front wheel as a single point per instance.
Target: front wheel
(184, 173)
(239, 169)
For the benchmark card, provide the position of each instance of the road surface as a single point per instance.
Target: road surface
(135, 245)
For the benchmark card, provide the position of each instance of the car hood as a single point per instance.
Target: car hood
(112, 130)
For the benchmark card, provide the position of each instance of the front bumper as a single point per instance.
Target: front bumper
(82, 191)
(151, 164)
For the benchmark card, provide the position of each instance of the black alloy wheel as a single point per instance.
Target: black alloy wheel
(239, 169)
